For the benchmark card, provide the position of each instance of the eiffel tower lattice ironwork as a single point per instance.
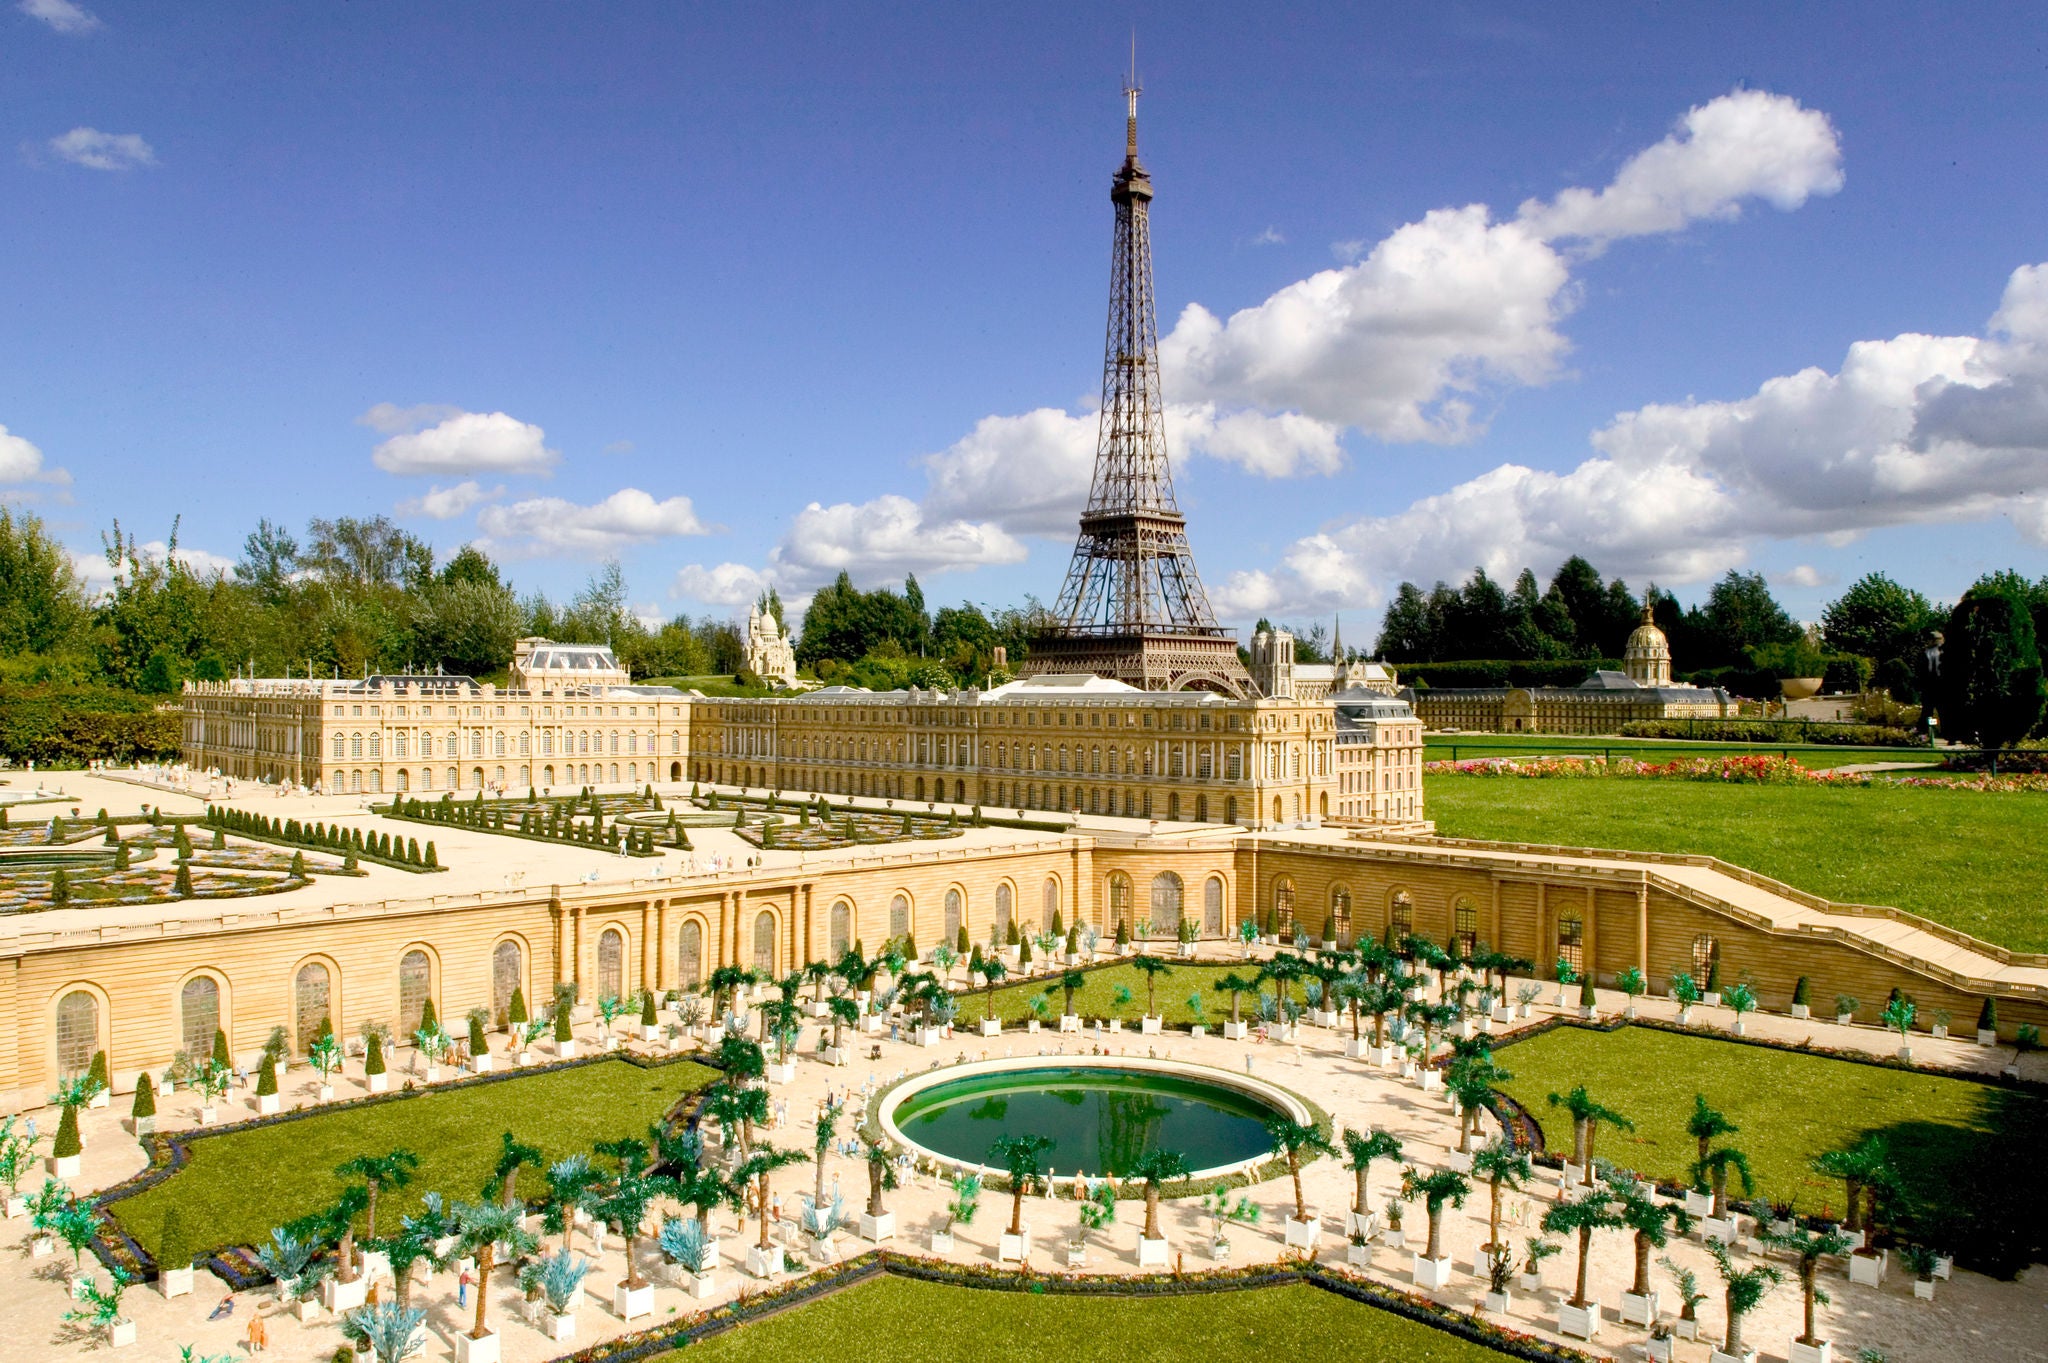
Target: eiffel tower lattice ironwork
(1132, 606)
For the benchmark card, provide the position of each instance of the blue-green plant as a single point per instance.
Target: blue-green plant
(683, 1241)
(392, 1331)
(558, 1277)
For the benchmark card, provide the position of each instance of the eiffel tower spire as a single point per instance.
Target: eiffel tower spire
(1132, 605)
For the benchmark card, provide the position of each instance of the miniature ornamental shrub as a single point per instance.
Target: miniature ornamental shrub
(67, 1135)
(478, 1043)
(373, 1055)
(562, 1029)
(1586, 996)
(1714, 975)
(121, 857)
(173, 1247)
(1801, 990)
(430, 1021)
(299, 865)
(647, 1017)
(220, 1050)
(348, 860)
(97, 1072)
(1074, 940)
(145, 1097)
(1011, 938)
(1123, 933)
(182, 886)
(60, 887)
(1058, 928)
(266, 1078)
(1987, 1016)
(960, 942)
(516, 1012)
(432, 860)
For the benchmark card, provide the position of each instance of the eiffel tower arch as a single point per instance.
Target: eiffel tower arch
(1132, 605)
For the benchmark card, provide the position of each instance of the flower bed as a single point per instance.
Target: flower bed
(1756, 769)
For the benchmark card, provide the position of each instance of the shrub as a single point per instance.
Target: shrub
(182, 886)
(1801, 990)
(97, 1071)
(1586, 996)
(1987, 1016)
(122, 860)
(67, 1135)
(1123, 933)
(145, 1097)
(960, 940)
(563, 1031)
(516, 1013)
(432, 860)
(373, 1055)
(266, 1079)
(647, 1017)
(299, 865)
(220, 1050)
(1714, 975)
(173, 1247)
(60, 887)
(478, 1042)
(430, 1020)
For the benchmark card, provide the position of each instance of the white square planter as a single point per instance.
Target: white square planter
(878, 1228)
(1746, 1356)
(561, 1328)
(1580, 1322)
(1867, 1269)
(631, 1303)
(833, 1055)
(1116, 1024)
(703, 1285)
(1637, 1310)
(1801, 1013)
(16, 1208)
(1987, 1036)
(1149, 1026)
(1432, 1081)
(1458, 1160)
(942, 1242)
(1070, 1022)
(1720, 1228)
(474, 1350)
(121, 1334)
(566, 1050)
(1357, 1050)
(1366, 1224)
(784, 1073)
(1013, 1249)
(1658, 1350)
(1923, 1289)
(175, 1282)
(523, 1058)
(325, 1093)
(482, 1064)
(42, 1247)
(63, 1166)
(764, 1263)
(267, 1105)
(1823, 1352)
(1151, 1252)
(1531, 1283)
(1325, 1019)
(929, 1036)
(1358, 1256)
(991, 1026)
(142, 1126)
(306, 1309)
(376, 1264)
(1236, 1031)
(1430, 1274)
(1698, 1204)
(1076, 1254)
(1219, 1250)
(1197, 1029)
(433, 1075)
(1031, 1026)
(379, 1083)
(99, 1100)
(338, 1296)
(1304, 1234)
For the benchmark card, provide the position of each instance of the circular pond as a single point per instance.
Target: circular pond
(1099, 1116)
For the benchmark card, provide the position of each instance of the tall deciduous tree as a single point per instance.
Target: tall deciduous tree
(1991, 686)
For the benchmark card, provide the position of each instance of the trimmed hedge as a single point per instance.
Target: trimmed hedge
(349, 842)
(56, 726)
(1776, 731)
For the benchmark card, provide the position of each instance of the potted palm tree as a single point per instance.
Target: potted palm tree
(1196, 1027)
(1299, 1142)
(1156, 1167)
(821, 1220)
(1899, 1014)
(764, 1260)
(1360, 1150)
(1503, 1166)
(325, 1056)
(992, 971)
(1587, 1114)
(1592, 1211)
(1535, 1250)
(1742, 1291)
(1432, 1267)
(1720, 1222)
(1741, 998)
(1690, 1295)
(877, 1223)
(1686, 990)
(1632, 984)
(1845, 1009)
(1925, 1264)
(1648, 1218)
(1235, 985)
(1808, 1248)
(1021, 1155)
(1705, 1125)
(960, 1210)
(625, 1205)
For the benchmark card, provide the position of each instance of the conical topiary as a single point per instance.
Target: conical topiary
(647, 1017)
(373, 1055)
(562, 1029)
(266, 1079)
(220, 1049)
(145, 1097)
(173, 1249)
(60, 887)
(182, 885)
(429, 1019)
(516, 1013)
(97, 1072)
(67, 1143)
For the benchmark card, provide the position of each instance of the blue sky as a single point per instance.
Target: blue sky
(741, 295)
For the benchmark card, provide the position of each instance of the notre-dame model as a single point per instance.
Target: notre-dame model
(1132, 606)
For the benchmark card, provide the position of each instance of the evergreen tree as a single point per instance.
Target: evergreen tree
(1991, 681)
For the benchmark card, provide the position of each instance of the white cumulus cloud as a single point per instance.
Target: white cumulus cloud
(468, 442)
(22, 462)
(726, 584)
(1744, 145)
(446, 503)
(98, 574)
(61, 15)
(388, 418)
(1911, 430)
(558, 526)
(95, 150)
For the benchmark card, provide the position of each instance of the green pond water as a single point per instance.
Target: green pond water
(1099, 1120)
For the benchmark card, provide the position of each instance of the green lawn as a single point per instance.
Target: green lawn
(238, 1186)
(1966, 1150)
(1013, 1002)
(1468, 747)
(1972, 860)
(899, 1320)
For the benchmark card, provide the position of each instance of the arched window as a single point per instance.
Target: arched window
(1119, 899)
(1400, 917)
(611, 964)
(415, 984)
(78, 1033)
(1705, 951)
(1283, 905)
(198, 1016)
(1571, 940)
(955, 911)
(312, 1003)
(1006, 900)
(1166, 902)
(899, 916)
(1212, 907)
(764, 942)
(1465, 927)
(1049, 904)
(690, 964)
(841, 930)
(506, 976)
(1340, 914)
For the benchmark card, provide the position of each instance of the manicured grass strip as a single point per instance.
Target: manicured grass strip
(898, 1320)
(1968, 859)
(1968, 1151)
(1013, 1002)
(1468, 747)
(237, 1186)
